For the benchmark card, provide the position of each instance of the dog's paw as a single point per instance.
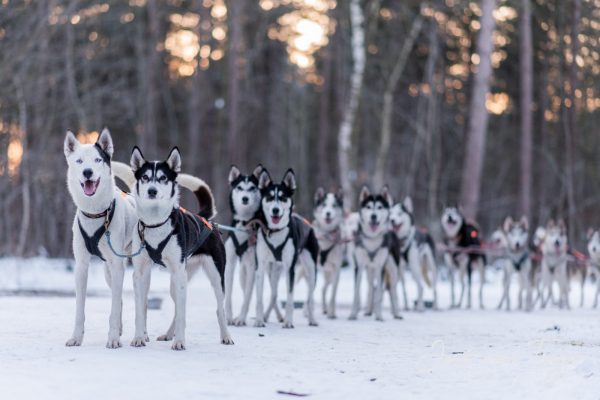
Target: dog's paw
(313, 323)
(398, 316)
(74, 341)
(259, 323)
(227, 340)
(288, 325)
(368, 314)
(113, 343)
(239, 322)
(331, 316)
(138, 341)
(230, 322)
(379, 318)
(146, 337)
(165, 338)
(280, 319)
(178, 345)
(352, 317)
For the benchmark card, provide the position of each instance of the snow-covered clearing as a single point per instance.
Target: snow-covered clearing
(475, 354)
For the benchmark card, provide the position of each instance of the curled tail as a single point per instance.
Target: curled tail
(201, 190)
(124, 173)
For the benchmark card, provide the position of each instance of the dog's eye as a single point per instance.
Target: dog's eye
(239, 189)
(252, 189)
(144, 178)
(79, 161)
(162, 179)
(98, 160)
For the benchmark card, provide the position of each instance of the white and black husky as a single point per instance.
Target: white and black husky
(464, 237)
(101, 209)
(176, 239)
(284, 240)
(594, 260)
(554, 263)
(329, 217)
(416, 252)
(518, 261)
(240, 247)
(371, 250)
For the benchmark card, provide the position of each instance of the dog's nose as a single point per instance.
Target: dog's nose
(275, 211)
(518, 245)
(87, 173)
(152, 192)
(328, 215)
(373, 218)
(557, 243)
(245, 200)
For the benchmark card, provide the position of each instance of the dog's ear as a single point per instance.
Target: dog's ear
(257, 170)
(234, 173)
(71, 144)
(562, 226)
(174, 160)
(507, 224)
(550, 224)
(364, 194)
(524, 223)
(319, 195)
(590, 233)
(408, 204)
(264, 180)
(137, 159)
(339, 195)
(385, 193)
(289, 179)
(105, 142)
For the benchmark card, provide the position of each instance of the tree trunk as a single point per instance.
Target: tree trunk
(388, 101)
(152, 71)
(478, 118)
(526, 69)
(234, 146)
(349, 113)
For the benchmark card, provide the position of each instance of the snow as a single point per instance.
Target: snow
(467, 354)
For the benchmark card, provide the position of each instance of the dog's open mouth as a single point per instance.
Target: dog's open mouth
(374, 226)
(396, 227)
(90, 186)
(328, 220)
(275, 219)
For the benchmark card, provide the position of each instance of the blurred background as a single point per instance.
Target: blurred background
(491, 104)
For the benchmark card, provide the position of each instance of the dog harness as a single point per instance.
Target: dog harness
(299, 230)
(519, 263)
(241, 248)
(387, 242)
(91, 242)
(324, 254)
(191, 230)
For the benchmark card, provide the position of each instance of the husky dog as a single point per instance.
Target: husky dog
(554, 263)
(284, 240)
(176, 239)
(594, 260)
(101, 211)
(462, 235)
(371, 250)
(518, 261)
(328, 226)
(416, 251)
(244, 200)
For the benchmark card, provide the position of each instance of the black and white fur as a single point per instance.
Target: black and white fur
(284, 240)
(240, 247)
(554, 263)
(161, 222)
(462, 235)
(371, 249)
(593, 247)
(416, 252)
(328, 226)
(92, 188)
(518, 262)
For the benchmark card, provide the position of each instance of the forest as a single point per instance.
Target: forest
(490, 104)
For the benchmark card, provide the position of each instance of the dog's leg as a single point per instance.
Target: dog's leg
(180, 281)
(564, 288)
(171, 331)
(327, 277)
(115, 321)
(310, 269)
(451, 269)
(378, 282)
(370, 291)
(336, 280)
(356, 302)
(289, 303)
(433, 273)
(505, 280)
(462, 274)
(481, 269)
(249, 268)
(597, 291)
(414, 263)
(274, 275)
(141, 284)
(82, 262)
(260, 283)
(214, 277)
(402, 278)
(230, 265)
(581, 299)
(392, 271)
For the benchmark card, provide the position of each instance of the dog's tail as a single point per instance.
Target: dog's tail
(201, 190)
(124, 173)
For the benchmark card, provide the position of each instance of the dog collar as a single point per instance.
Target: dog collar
(102, 214)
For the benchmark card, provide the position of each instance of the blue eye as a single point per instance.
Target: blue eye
(79, 161)
(98, 160)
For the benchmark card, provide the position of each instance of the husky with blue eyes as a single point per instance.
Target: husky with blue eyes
(284, 241)
(101, 210)
(178, 240)
(371, 250)
(240, 247)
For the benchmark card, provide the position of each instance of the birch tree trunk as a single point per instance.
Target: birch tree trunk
(388, 101)
(478, 118)
(526, 67)
(233, 97)
(349, 114)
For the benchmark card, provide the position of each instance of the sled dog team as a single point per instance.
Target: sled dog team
(268, 240)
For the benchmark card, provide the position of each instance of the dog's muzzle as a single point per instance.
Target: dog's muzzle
(89, 186)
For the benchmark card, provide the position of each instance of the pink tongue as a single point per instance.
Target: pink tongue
(276, 219)
(89, 188)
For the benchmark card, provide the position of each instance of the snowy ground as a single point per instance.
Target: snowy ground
(477, 354)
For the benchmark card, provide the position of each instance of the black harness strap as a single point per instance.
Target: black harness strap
(91, 242)
(156, 253)
(278, 251)
(519, 263)
(323, 254)
(359, 243)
